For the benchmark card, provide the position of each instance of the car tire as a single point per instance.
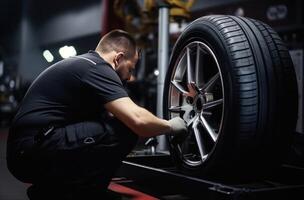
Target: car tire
(232, 80)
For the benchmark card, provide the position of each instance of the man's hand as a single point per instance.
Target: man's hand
(178, 129)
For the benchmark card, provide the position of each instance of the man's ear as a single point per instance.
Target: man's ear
(118, 57)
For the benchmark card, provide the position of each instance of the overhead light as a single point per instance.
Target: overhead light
(67, 51)
(48, 56)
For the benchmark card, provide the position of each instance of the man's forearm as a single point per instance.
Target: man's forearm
(138, 119)
(149, 125)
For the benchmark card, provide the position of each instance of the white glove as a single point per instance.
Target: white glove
(178, 126)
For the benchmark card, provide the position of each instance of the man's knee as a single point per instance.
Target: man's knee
(126, 138)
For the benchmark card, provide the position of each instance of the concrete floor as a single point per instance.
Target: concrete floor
(10, 187)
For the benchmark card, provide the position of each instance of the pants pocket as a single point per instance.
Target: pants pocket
(84, 133)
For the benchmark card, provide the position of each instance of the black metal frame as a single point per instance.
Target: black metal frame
(157, 176)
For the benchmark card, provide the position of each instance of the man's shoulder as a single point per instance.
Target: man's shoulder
(93, 58)
(103, 71)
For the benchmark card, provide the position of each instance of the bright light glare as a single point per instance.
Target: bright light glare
(175, 27)
(48, 56)
(67, 51)
(156, 72)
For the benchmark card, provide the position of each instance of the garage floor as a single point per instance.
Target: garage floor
(10, 187)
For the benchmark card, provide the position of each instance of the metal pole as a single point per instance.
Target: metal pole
(163, 46)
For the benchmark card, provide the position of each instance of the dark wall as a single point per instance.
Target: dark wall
(71, 24)
(45, 23)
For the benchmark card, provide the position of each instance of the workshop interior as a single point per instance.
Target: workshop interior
(242, 58)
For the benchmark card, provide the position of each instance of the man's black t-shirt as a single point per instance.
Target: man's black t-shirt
(72, 90)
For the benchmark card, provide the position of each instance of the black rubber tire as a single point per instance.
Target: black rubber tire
(260, 96)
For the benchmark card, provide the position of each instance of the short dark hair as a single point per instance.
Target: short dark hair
(118, 40)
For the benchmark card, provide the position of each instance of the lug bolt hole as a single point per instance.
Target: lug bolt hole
(199, 105)
(189, 100)
(192, 114)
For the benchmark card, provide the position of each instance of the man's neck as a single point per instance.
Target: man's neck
(108, 57)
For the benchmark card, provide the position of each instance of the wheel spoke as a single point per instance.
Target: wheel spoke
(179, 109)
(179, 87)
(191, 121)
(211, 82)
(212, 104)
(181, 69)
(198, 138)
(193, 90)
(208, 128)
(199, 76)
(189, 67)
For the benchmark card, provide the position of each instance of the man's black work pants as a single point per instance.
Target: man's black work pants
(73, 162)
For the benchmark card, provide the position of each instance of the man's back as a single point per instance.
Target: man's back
(69, 91)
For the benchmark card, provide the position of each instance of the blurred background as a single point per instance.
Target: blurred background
(35, 34)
